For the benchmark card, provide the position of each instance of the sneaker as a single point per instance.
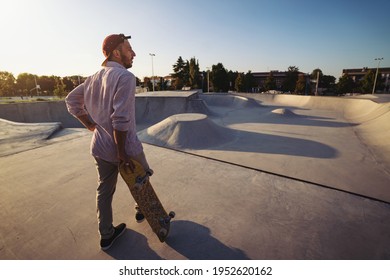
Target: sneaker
(139, 217)
(105, 244)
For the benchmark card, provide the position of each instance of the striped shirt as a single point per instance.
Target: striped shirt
(108, 97)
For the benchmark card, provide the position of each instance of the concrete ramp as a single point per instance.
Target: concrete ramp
(39, 112)
(17, 137)
(296, 177)
(353, 109)
(188, 131)
(375, 131)
(369, 119)
(154, 107)
(225, 100)
(283, 112)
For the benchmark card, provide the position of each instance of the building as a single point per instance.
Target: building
(357, 74)
(278, 76)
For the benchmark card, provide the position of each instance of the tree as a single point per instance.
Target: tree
(249, 81)
(328, 81)
(345, 85)
(232, 79)
(137, 81)
(313, 75)
(367, 83)
(380, 83)
(148, 83)
(47, 84)
(29, 84)
(25, 82)
(204, 80)
(7, 83)
(239, 83)
(186, 74)
(68, 84)
(316, 76)
(179, 73)
(301, 84)
(59, 89)
(289, 83)
(194, 74)
(220, 78)
(76, 80)
(270, 83)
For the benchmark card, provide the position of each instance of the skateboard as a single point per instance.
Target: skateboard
(146, 198)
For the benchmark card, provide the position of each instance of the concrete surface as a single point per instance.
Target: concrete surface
(234, 196)
(38, 112)
(151, 108)
(17, 137)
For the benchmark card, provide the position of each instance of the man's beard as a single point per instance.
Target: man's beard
(126, 63)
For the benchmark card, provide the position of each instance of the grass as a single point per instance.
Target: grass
(11, 100)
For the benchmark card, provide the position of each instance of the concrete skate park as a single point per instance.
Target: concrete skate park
(250, 176)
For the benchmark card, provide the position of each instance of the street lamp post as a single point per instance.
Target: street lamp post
(152, 54)
(208, 79)
(376, 74)
(37, 87)
(318, 79)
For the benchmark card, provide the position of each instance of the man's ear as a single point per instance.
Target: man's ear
(116, 53)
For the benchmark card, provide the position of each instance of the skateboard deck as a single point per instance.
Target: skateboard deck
(146, 198)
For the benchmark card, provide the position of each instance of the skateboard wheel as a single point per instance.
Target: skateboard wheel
(161, 221)
(138, 186)
(164, 221)
(162, 233)
(172, 214)
(139, 179)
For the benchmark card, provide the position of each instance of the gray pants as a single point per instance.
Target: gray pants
(108, 177)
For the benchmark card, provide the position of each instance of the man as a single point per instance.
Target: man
(105, 104)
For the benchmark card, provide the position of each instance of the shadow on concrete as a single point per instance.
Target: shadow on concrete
(132, 246)
(195, 242)
(253, 142)
(261, 143)
(303, 120)
(266, 115)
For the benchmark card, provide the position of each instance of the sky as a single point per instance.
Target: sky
(64, 37)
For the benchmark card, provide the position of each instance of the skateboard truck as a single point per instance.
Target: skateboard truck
(167, 220)
(140, 181)
(163, 232)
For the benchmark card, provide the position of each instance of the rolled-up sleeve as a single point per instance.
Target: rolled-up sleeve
(123, 103)
(75, 101)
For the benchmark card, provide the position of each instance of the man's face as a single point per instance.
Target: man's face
(127, 54)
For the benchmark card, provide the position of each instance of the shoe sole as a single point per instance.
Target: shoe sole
(109, 246)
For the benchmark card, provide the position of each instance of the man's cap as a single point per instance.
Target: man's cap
(110, 43)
